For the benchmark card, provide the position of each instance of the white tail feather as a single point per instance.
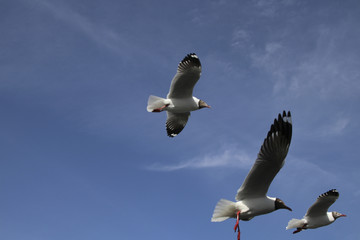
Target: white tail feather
(155, 102)
(224, 209)
(295, 223)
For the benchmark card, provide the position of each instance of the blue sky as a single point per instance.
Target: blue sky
(81, 157)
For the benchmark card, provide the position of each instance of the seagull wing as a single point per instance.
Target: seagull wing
(270, 159)
(322, 204)
(176, 122)
(188, 73)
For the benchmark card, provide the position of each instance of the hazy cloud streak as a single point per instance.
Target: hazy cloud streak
(102, 35)
(228, 157)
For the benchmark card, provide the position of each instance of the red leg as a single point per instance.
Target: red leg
(160, 109)
(300, 229)
(297, 230)
(237, 227)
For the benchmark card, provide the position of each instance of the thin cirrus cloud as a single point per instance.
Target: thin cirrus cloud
(336, 128)
(304, 175)
(325, 69)
(227, 157)
(240, 38)
(329, 129)
(102, 35)
(306, 171)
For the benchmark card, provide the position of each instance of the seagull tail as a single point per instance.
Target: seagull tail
(224, 209)
(295, 223)
(155, 102)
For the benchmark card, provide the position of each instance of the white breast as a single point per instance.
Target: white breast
(181, 105)
(320, 221)
(254, 207)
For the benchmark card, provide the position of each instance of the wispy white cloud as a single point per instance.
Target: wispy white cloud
(240, 38)
(327, 128)
(335, 128)
(302, 174)
(229, 156)
(303, 165)
(269, 8)
(102, 35)
(326, 70)
(268, 56)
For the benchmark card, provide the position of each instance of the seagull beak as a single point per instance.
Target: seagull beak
(203, 104)
(286, 207)
(279, 204)
(343, 215)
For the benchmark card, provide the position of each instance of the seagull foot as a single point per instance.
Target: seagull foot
(236, 226)
(297, 230)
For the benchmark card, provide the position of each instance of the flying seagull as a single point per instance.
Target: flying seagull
(180, 101)
(317, 215)
(251, 198)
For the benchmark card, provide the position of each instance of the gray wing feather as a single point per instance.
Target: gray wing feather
(176, 122)
(187, 75)
(270, 159)
(322, 204)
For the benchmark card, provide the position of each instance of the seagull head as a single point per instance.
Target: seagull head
(280, 204)
(203, 104)
(337, 215)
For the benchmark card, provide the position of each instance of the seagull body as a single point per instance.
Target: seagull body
(251, 198)
(180, 101)
(249, 208)
(317, 215)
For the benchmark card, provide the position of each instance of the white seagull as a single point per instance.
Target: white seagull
(251, 197)
(180, 101)
(317, 215)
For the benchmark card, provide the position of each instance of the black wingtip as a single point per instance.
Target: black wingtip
(172, 130)
(171, 133)
(285, 115)
(282, 124)
(192, 58)
(332, 192)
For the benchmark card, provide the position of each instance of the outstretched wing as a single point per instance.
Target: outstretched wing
(322, 204)
(270, 159)
(187, 75)
(176, 122)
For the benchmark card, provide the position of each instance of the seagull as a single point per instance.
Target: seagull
(317, 215)
(180, 101)
(251, 198)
